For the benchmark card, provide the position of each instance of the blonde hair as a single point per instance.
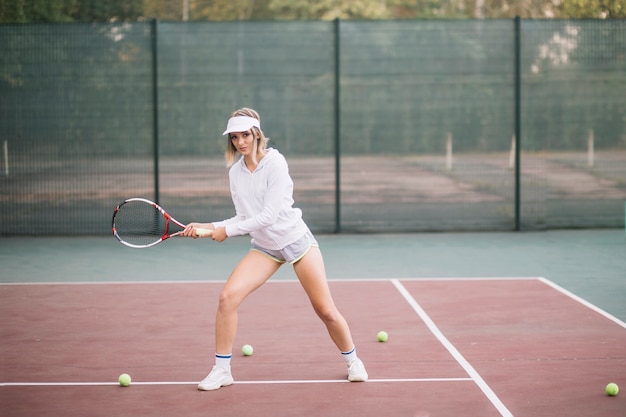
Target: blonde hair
(260, 141)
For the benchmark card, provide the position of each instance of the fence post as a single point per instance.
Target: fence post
(449, 152)
(155, 106)
(6, 158)
(518, 122)
(512, 153)
(337, 128)
(590, 149)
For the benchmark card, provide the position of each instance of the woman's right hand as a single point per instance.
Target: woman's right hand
(196, 230)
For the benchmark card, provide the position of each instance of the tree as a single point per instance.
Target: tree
(41, 11)
(44, 11)
(600, 9)
(166, 10)
(226, 9)
(35, 11)
(330, 9)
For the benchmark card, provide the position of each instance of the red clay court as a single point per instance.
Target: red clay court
(457, 347)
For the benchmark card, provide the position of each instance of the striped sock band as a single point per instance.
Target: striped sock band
(350, 355)
(223, 360)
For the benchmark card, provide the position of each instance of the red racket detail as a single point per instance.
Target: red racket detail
(141, 223)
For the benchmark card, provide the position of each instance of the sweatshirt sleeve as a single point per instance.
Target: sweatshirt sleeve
(238, 217)
(278, 189)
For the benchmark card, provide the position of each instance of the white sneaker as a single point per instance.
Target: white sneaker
(356, 371)
(217, 378)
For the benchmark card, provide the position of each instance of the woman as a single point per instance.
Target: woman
(262, 192)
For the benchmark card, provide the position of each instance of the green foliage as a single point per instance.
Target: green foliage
(227, 10)
(329, 9)
(39, 11)
(600, 9)
(50, 11)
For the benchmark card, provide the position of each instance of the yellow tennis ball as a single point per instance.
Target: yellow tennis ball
(124, 380)
(247, 350)
(382, 336)
(612, 389)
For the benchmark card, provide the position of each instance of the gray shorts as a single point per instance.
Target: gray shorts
(292, 253)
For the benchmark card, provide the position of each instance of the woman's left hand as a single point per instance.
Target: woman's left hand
(219, 234)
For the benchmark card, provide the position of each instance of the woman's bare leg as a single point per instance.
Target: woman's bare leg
(251, 272)
(312, 275)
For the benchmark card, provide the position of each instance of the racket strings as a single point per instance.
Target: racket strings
(139, 223)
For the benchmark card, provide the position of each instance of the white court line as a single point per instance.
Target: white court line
(582, 301)
(475, 376)
(287, 382)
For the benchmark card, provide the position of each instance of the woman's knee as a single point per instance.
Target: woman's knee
(328, 314)
(229, 301)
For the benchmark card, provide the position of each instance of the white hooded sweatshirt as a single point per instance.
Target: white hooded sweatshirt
(263, 202)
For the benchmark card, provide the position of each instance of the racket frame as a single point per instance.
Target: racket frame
(167, 217)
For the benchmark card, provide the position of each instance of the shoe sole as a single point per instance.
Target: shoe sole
(213, 388)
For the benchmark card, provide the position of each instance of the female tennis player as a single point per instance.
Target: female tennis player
(262, 192)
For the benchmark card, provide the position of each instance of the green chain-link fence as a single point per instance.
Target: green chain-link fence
(389, 126)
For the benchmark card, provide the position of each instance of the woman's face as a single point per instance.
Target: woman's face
(243, 142)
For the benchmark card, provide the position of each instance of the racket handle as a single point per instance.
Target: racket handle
(203, 232)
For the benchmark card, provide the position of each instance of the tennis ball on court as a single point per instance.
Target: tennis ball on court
(612, 389)
(124, 380)
(382, 336)
(247, 350)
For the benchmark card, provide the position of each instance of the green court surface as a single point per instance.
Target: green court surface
(589, 263)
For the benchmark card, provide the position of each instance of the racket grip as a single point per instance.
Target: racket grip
(203, 232)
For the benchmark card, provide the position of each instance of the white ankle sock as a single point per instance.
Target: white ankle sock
(223, 360)
(350, 355)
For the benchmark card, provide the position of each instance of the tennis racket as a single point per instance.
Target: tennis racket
(140, 223)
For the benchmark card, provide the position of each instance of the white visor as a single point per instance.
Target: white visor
(241, 124)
